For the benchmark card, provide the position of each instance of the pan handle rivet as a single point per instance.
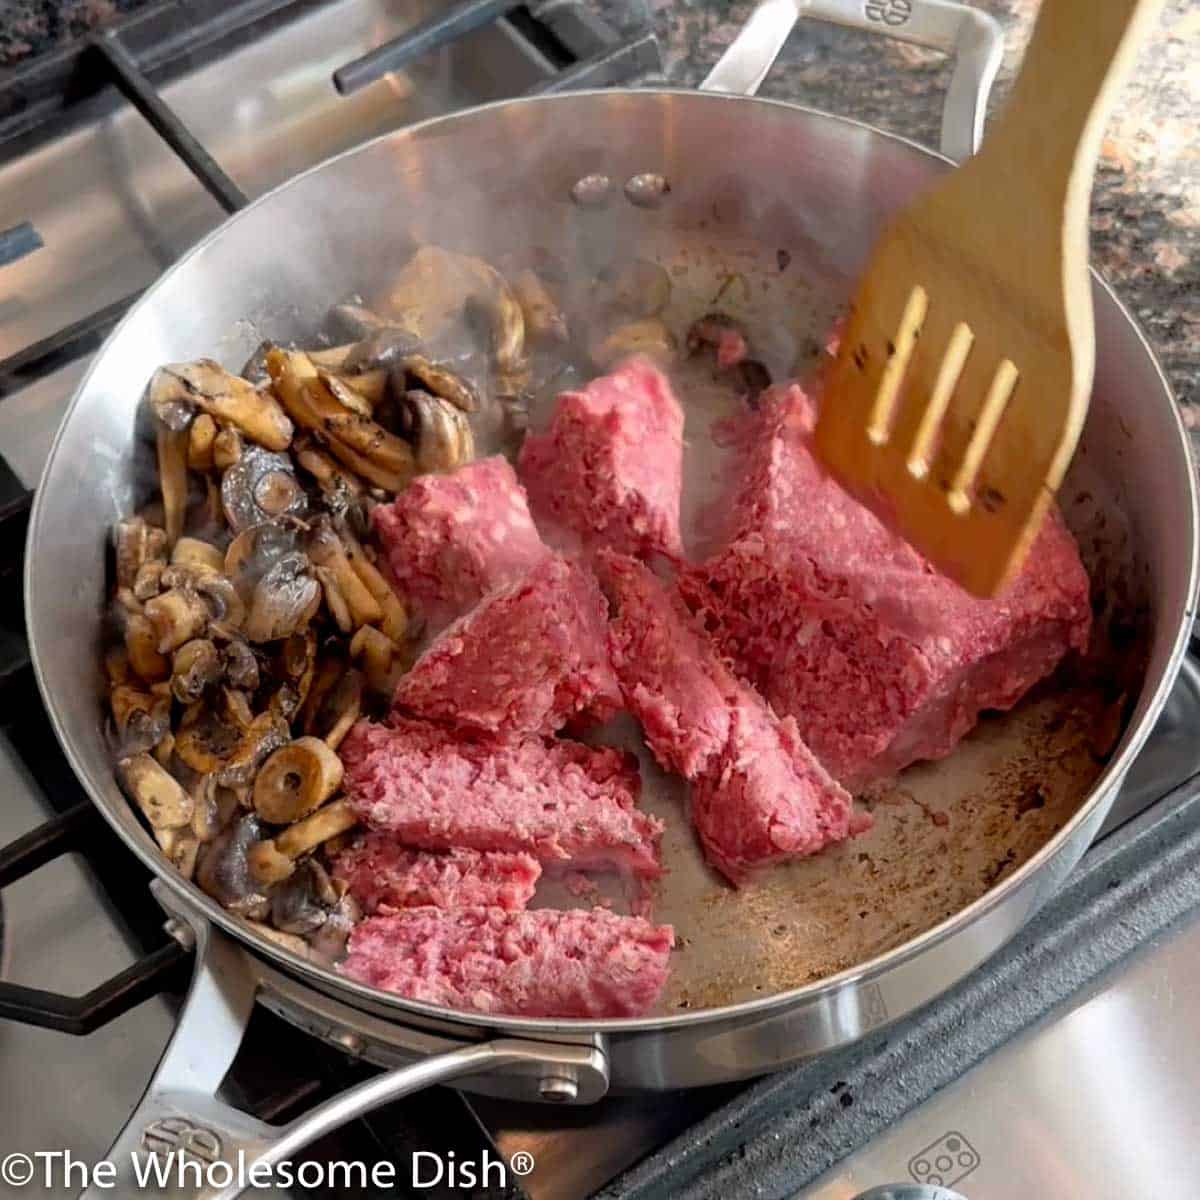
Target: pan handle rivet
(557, 1089)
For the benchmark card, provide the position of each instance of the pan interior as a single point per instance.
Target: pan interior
(773, 235)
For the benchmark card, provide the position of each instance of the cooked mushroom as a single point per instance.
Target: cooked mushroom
(649, 336)
(289, 941)
(235, 708)
(357, 441)
(298, 663)
(296, 840)
(137, 544)
(395, 620)
(192, 552)
(211, 745)
(639, 288)
(148, 581)
(285, 599)
(441, 432)
(207, 386)
(241, 666)
(195, 666)
(227, 449)
(162, 800)
(295, 780)
(181, 848)
(437, 288)
(334, 706)
(206, 812)
(259, 487)
(354, 321)
(340, 490)
(326, 550)
(116, 665)
(177, 616)
(201, 435)
(224, 873)
(141, 644)
(380, 659)
(348, 395)
(255, 550)
(328, 942)
(438, 380)
(164, 750)
(381, 347)
(172, 479)
(267, 865)
(544, 320)
(142, 718)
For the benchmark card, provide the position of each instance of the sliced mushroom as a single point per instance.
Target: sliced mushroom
(544, 320)
(395, 619)
(213, 746)
(285, 599)
(380, 659)
(116, 665)
(241, 666)
(332, 358)
(289, 941)
(440, 381)
(357, 441)
(142, 718)
(235, 708)
(162, 800)
(337, 710)
(441, 432)
(137, 544)
(341, 492)
(148, 581)
(297, 779)
(328, 942)
(192, 552)
(381, 347)
(227, 449)
(354, 321)
(177, 616)
(206, 812)
(326, 550)
(164, 750)
(141, 644)
(255, 550)
(267, 865)
(172, 479)
(298, 663)
(223, 869)
(649, 336)
(201, 435)
(336, 817)
(259, 487)
(195, 666)
(207, 386)
(181, 848)
(346, 394)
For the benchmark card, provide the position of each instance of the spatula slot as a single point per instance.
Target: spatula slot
(1004, 384)
(949, 372)
(879, 424)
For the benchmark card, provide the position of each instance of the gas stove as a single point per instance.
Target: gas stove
(119, 152)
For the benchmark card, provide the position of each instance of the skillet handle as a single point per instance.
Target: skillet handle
(972, 37)
(183, 1130)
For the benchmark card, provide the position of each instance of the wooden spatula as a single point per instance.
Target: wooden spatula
(964, 372)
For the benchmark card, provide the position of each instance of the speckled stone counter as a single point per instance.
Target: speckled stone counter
(1146, 208)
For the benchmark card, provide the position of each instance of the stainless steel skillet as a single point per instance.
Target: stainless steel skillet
(771, 975)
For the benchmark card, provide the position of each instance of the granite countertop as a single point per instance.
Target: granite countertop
(1146, 207)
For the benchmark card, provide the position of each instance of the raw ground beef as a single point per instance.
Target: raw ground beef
(381, 873)
(560, 801)
(448, 540)
(609, 470)
(840, 623)
(758, 794)
(531, 964)
(526, 659)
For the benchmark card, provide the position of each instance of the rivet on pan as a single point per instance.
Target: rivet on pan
(591, 191)
(558, 1089)
(349, 1041)
(647, 191)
